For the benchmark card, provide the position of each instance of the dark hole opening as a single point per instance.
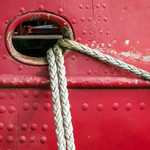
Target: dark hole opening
(34, 38)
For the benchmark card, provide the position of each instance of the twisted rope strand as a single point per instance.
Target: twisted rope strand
(64, 98)
(66, 43)
(61, 143)
(59, 86)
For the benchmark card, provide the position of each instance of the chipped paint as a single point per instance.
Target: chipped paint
(48, 15)
(127, 42)
(132, 54)
(73, 82)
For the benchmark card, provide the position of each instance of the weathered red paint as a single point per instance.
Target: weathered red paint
(132, 53)
(22, 81)
(109, 106)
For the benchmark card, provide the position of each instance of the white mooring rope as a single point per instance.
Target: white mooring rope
(61, 106)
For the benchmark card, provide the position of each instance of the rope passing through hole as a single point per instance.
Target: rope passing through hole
(61, 106)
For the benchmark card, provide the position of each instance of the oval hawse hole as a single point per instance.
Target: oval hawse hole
(34, 38)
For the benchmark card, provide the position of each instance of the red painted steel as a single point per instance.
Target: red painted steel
(107, 113)
(32, 16)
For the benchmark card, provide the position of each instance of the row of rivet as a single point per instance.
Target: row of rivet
(90, 19)
(47, 106)
(59, 11)
(24, 126)
(23, 139)
(25, 106)
(25, 94)
(36, 106)
(115, 106)
(11, 109)
(88, 6)
(35, 94)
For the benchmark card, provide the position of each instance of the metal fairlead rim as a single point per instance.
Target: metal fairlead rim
(62, 24)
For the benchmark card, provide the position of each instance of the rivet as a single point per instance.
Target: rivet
(87, 6)
(128, 106)
(99, 18)
(89, 19)
(89, 72)
(44, 127)
(47, 94)
(112, 71)
(80, 6)
(47, 106)
(39, 72)
(41, 7)
(101, 31)
(87, 58)
(11, 109)
(142, 105)
(82, 19)
(26, 93)
(84, 32)
(105, 19)
(22, 139)
(107, 33)
(24, 126)
(12, 95)
(1, 126)
(78, 39)
(4, 56)
(33, 127)
(6, 21)
(109, 45)
(104, 5)
(35, 106)
(20, 67)
(10, 127)
(115, 106)
(95, 72)
(2, 109)
(102, 44)
(25, 106)
(10, 139)
(0, 37)
(98, 6)
(2, 95)
(32, 139)
(73, 57)
(100, 107)
(1, 137)
(43, 140)
(91, 32)
(85, 106)
(105, 71)
(73, 21)
(22, 9)
(36, 94)
(60, 11)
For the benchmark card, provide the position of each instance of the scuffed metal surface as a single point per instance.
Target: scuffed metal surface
(107, 82)
(132, 54)
(26, 81)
